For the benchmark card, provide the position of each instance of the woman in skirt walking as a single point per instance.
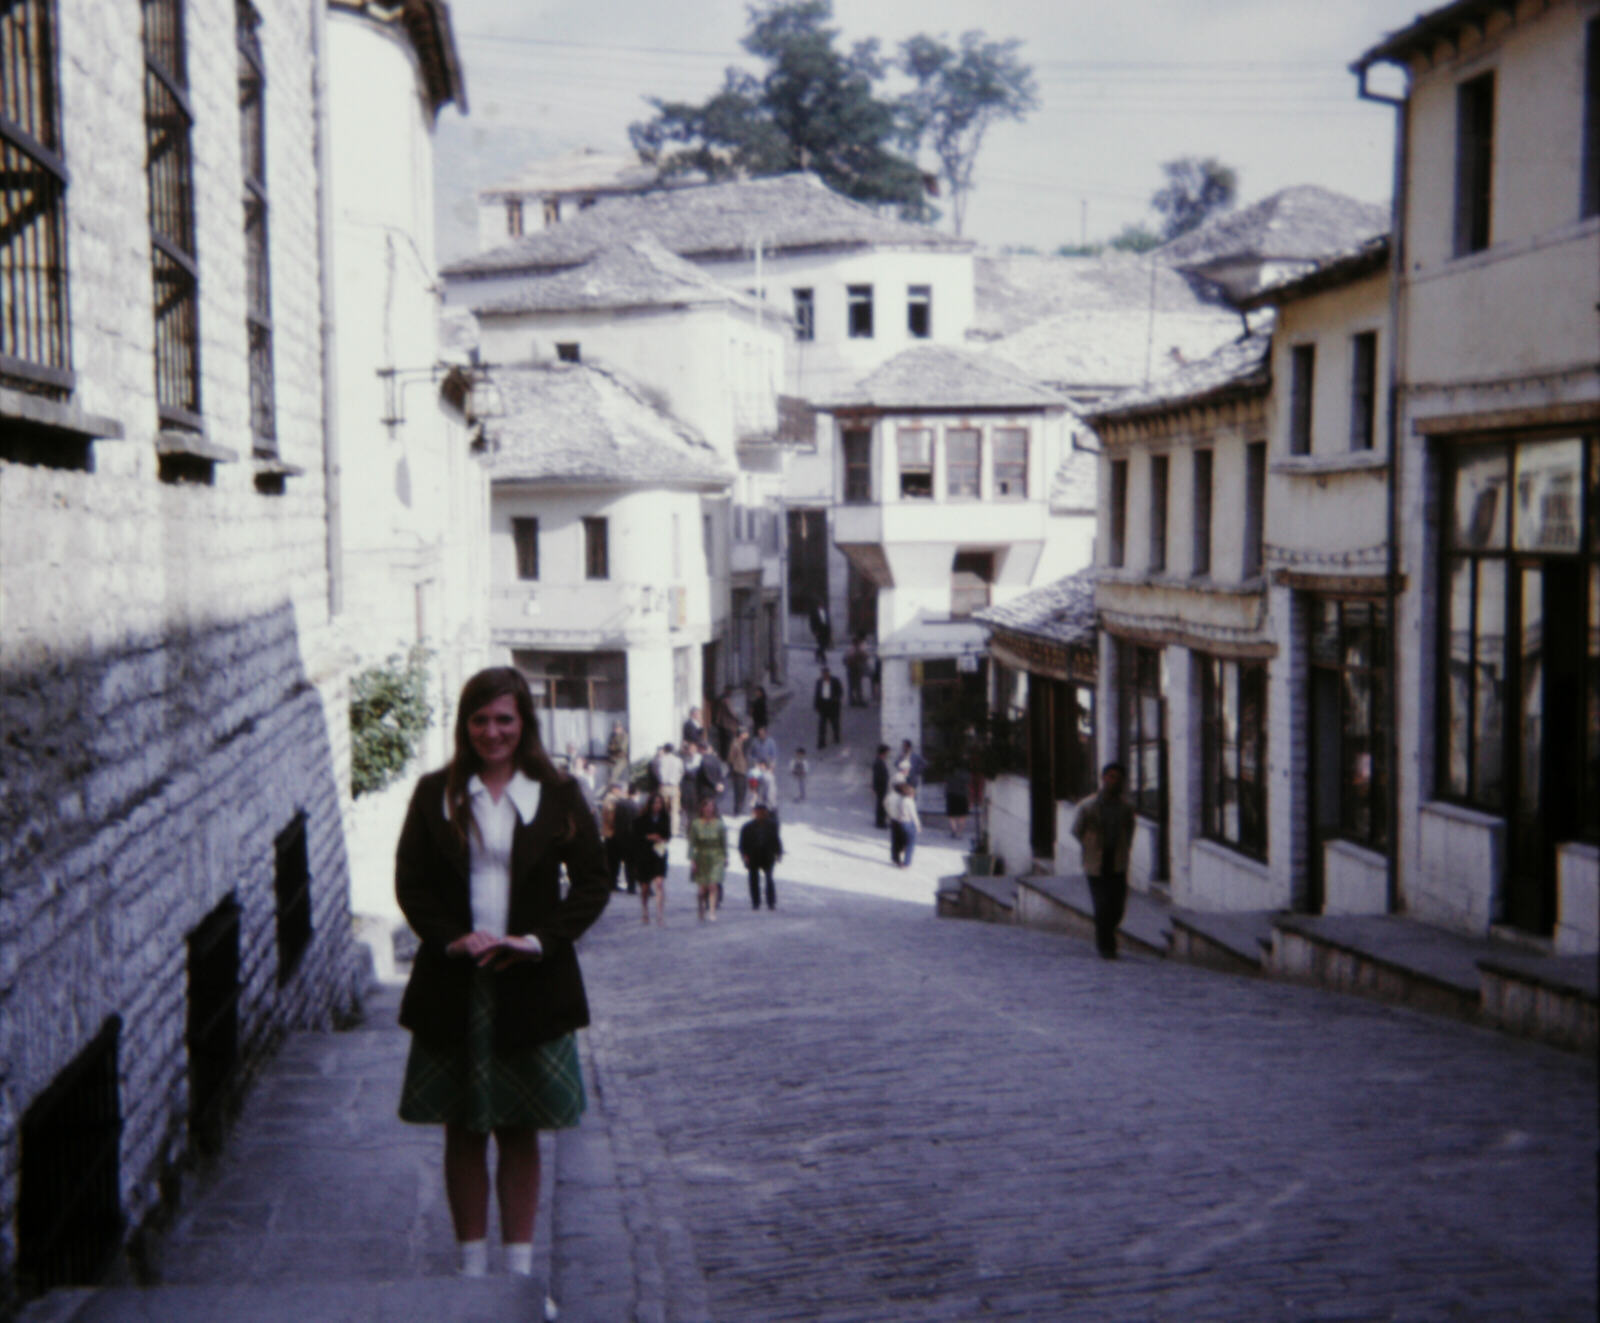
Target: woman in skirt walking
(495, 993)
(708, 858)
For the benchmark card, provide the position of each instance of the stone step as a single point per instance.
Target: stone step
(425, 1300)
(1235, 942)
(1064, 903)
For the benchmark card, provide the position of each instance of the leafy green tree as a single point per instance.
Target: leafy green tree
(1135, 238)
(814, 108)
(389, 713)
(1196, 189)
(960, 93)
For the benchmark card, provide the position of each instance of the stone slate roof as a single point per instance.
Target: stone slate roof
(582, 171)
(1075, 484)
(637, 274)
(943, 377)
(1297, 224)
(1060, 612)
(1085, 322)
(575, 424)
(1330, 272)
(1241, 368)
(1426, 31)
(786, 213)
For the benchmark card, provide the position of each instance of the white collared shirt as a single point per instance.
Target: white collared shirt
(489, 849)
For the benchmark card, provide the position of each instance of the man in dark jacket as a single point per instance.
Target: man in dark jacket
(1104, 827)
(826, 700)
(761, 847)
(712, 777)
(880, 785)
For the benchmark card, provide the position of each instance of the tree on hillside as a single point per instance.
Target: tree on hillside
(1196, 189)
(814, 108)
(1135, 238)
(959, 94)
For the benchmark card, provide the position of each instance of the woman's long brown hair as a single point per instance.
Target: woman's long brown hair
(530, 757)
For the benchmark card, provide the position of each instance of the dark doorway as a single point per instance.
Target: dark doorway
(954, 702)
(213, 1034)
(808, 559)
(862, 603)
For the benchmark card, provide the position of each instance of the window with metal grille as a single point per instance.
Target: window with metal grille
(213, 1022)
(857, 465)
(1233, 753)
(963, 451)
(919, 311)
(35, 340)
(859, 298)
(169, 124)
(596, 549)
(915, 446)
(69, 1211)
(1474, 163)
(1010, 463)
(291, 885)
(1363, 389)
(805, 315)
(525, 533)
(258, 262)
(1201, 561)
(1302, 377)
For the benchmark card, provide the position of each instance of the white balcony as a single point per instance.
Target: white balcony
(598, 613)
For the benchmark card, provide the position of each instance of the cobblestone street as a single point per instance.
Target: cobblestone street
(850, 1110)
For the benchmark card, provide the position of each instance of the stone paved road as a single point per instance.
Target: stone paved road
(850, 1110)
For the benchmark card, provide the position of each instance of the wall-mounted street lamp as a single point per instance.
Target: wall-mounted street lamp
(467, 387)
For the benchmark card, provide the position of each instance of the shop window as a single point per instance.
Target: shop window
(1233, 752)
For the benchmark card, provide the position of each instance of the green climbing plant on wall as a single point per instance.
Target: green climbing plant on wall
(389, 711)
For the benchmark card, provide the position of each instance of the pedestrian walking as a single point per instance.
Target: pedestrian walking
(910, 765)
(615, 826)
(739, 770)
(495, 993)
(761, 846)
(799, 769)
(826, 698)
(724, 723)
(708, 859)
(1104, 826)
(904, 823)
(763, 749)
(821, 629)
(668, 769)
(880, 786)
(764, 787)
(958, 798)
(689, 788)
(617, 755)
(652, 829)
(711, 777)
(759, 718)
(855, 670)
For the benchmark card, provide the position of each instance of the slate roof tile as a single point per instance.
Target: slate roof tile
(1060, 612)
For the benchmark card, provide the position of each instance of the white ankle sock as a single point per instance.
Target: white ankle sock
(519, 1258)
(474, 1258)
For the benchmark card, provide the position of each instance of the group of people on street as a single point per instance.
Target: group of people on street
(894, 793)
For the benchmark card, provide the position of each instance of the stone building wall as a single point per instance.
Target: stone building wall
(169, 700)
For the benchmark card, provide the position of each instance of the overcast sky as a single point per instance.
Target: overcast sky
(1262, 84)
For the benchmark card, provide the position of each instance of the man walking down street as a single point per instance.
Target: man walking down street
(880, 786)
(761, 847)
(827, 700)
(1104, 828)
(668, 768)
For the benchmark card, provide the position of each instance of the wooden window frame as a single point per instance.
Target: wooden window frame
(915, 471)
(855, 447)
(805, 314)
(1474, 181)
(1363, 390)
(1010, 471)
(525, 543)
(1160, 484)
(1302, 396)
(596, 547)
(919, 312)
(858, 312)
(1224, 701)
(1117, 550)
(966, 474)
(1204, 476)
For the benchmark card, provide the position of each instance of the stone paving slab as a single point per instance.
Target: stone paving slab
(436, 1300)
(1446, 958)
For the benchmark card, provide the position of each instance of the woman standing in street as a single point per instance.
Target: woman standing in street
(708, 858)
(495, 993)
(652, 829)
(739, 769)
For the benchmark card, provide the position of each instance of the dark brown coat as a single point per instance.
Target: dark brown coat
(535, 1001)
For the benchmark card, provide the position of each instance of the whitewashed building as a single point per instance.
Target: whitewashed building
(1497, 473)
(599, 562)
(173, 695)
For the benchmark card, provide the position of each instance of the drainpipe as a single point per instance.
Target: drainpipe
(1391, 590)
(332, 471)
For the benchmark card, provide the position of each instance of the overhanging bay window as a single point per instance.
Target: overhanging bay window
(577, 696)
(915, 449)
(1011, 463)
(169, 166)
(1233, 752)
(35, 345)
(1518, 702)
(963, 449)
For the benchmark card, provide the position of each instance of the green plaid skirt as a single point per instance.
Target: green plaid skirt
(482, 1089)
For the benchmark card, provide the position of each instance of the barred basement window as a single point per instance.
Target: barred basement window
(35, 343)
(258, 262)
(169, 123)
(291, 886)
(69, 1211)
(213, 1029)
